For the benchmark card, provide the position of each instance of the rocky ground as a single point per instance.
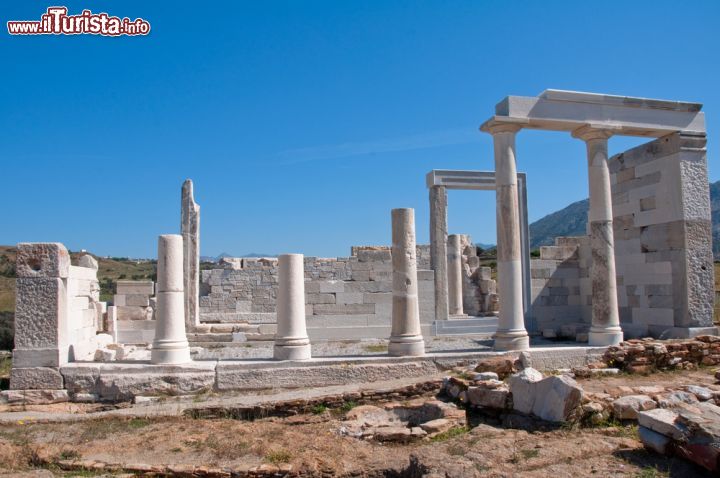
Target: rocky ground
(321, 442)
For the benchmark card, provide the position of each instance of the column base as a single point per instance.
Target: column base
(509, 340)
(292, 352)
(605, 337)
(413, 346)
(170, 352)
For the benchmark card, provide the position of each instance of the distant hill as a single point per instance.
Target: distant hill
(572, 221)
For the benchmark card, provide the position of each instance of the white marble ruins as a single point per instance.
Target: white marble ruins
(291, 339)
(644, 268)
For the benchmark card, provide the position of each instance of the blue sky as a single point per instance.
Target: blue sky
(304, 123)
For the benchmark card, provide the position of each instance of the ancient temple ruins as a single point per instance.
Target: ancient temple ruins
(644, 269)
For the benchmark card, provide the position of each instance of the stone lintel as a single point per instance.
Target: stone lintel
(465, 179)
(568, 110)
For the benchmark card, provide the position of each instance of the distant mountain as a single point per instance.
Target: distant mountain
(572, 221)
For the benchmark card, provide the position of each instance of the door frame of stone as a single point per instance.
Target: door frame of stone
(469, 180)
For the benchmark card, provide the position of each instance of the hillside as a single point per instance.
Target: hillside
(572, 220)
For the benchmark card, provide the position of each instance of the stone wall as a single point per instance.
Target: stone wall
(663, 239)
(350, 296)
(57, 315)
(663, 247)
(561, 288)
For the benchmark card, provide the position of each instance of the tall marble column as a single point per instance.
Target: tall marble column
(454, 272)
(170, 345)
(190, 228)
(605, 329)
(438, 249)
(406, 336)
(291, 339)
(511, 333)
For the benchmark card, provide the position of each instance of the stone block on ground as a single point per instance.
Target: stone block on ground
(663, 421)
(627, 407)
(654, 441)
(556, 398)
(35, 378)
(35, 397)
(483, 396)
(503, 366)
(522, 387)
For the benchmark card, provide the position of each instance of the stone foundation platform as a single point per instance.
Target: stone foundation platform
(117, 381)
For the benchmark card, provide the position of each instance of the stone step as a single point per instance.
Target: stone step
(469, 326)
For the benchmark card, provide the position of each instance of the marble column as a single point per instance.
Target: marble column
(406, 336)
(438, 249)
(511, 333)
(605, 328)
(291, 339)
(190, 228)
(454, 272)
(170, 345)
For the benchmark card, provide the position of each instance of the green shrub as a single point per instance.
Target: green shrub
(7, 267)
(7, 330)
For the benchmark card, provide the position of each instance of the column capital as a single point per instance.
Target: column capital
(589, 132)
(494, 126)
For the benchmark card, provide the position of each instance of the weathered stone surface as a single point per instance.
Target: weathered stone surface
(522, 387)
(627, 407)
(393, 434)
(137, 300)
(105, 355)
(41, 310)
(117, 387)
(438, 425)
(703, 444)
(36, 378)
(702, 393)
(88, 261)
(438, 249)
(190, 230)
(35, 397)
(655, 441)
(482, 376)
(663, 421)
(406, 336)
(556, 398)
(42, 260)
(482, 397)
(241, 377)
(675, 398)
(503, 366)
(128, 287)
(694, 429)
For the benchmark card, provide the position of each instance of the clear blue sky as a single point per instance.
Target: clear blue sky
(304, 123)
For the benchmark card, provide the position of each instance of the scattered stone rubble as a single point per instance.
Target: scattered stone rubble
(528, 392)
(684, 421)
(647, 355)
(396, 422)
